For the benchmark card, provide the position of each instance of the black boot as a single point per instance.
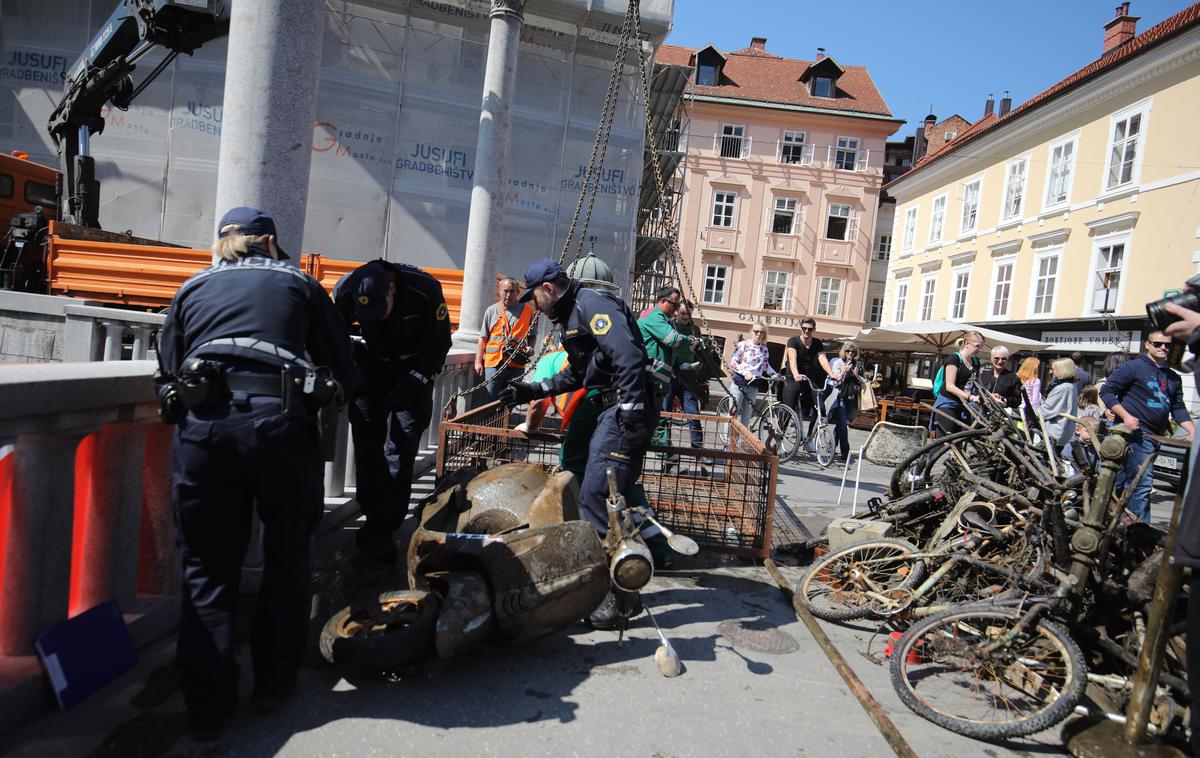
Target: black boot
(615, 609)
(375, 544)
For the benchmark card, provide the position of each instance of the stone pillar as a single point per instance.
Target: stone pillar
(271, 77)
(109, 554)
(140, 342)
(113, 338)
(35, 584)
(159, 566)
(491, 159)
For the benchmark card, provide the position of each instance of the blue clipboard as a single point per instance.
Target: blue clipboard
(84, 653)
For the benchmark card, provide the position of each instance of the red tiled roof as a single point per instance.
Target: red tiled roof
(1177, 24)
(753, 74)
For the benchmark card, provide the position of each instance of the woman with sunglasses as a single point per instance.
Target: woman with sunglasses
(1002, 384)
(958, 387)
(846, 371)
(750, 361)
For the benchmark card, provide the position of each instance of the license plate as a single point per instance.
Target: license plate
(1166, 462)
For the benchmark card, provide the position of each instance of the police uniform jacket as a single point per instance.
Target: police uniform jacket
(260, 298)
(412, 342)
(604, 348)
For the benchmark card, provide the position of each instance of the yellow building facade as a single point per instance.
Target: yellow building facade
(1062, 219)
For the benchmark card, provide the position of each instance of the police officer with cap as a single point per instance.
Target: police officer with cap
(605, 352)
(406, 335)
(251, 348)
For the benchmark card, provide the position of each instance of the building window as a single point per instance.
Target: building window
(1045, 279)
(901, 301)
(839, 225)
(784, 221)
(733, 141)
(1002, 277)
(792, 148)
(910, 230)
(1106, 286)
(776, 292)
(1062, 167)
(958, 300)
(1124, 149)
(883, 250)
(875, 315)
(716, 278)
(723, 205)
(937, 221)
(970, 209)
(928, 288)
(822, 86)
(706, 75)
(846, 155)
(949, 135)
(1014, 189)
(829, 296)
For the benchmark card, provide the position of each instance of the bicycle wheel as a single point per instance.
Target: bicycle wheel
(942, 670)
(782, 423)
(825, 445)
(841, 585)
(725, 408)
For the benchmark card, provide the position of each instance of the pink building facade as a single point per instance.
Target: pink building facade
(784, 167)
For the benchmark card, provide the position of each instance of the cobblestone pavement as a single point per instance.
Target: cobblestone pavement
(579, 692)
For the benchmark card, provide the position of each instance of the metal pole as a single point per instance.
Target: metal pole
(1162, 609)
(491, 158)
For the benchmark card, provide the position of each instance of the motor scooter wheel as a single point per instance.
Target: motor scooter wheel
(392, 630)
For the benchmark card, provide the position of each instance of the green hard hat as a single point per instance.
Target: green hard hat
(592, 272)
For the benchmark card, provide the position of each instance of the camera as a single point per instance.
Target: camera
(1161, 318)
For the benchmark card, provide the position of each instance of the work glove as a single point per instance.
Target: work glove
(690, 366)
(517, 393)
(697, 343)
(637, 432)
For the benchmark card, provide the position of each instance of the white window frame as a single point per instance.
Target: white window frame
(843, 145)
(1005, 216)
(977, 183)
(901, 301)
(928, 297)
(733, 133)
(937, 218)
(829, 296)
(1049, 203)
(714, 272)
(960, 286)
(910, 230)
(794, 209)
(797, 141)
(997, 264)
(883, 247)
(1141, 109)
(718, 203)
(851, 226)
(950, 135)
(875, 311)
(1055, 253)
(1124, 238)
(785, 301)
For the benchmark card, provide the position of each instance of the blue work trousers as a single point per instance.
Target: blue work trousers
(609, 449)
(387, 438)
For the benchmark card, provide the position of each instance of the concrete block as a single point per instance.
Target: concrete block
(844, 531)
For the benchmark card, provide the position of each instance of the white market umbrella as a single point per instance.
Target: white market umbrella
(936, 336)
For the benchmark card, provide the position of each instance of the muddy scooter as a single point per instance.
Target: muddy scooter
(501, 557)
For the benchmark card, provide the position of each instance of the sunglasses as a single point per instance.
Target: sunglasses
(998, 358)
(757, 331)
(1156, 343)
(806, 329)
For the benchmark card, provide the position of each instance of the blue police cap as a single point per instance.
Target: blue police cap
(539, 272)
(367, 287)
(251, 222)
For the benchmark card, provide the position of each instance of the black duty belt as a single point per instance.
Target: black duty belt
(605, 399)
(255, 384)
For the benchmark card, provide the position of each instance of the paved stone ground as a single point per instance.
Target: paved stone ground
(575, 693)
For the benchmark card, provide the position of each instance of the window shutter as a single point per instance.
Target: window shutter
(861, 163)
(746, 146)
(852, 228)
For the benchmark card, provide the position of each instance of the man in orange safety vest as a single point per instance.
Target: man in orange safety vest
(505, 339)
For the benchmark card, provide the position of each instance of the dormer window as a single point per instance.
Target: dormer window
(822, 86)
(822, 77)
(709, 62)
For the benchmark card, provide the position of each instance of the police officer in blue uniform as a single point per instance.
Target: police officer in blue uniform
(235, 379)
(604, 352)
(406, 334)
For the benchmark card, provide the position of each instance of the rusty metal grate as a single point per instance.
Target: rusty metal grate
(706, 476)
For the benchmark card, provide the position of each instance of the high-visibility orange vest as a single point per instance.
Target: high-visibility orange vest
(493, 351)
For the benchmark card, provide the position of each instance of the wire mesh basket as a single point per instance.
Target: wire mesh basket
(706, 476)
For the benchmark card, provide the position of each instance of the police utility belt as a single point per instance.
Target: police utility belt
(303, 388)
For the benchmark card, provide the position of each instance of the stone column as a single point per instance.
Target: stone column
(271, 79)
(491, 159)
(159, 567)
(113, 338)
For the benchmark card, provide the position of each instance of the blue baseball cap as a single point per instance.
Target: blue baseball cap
(365, 289)
(251, 222)
(539, 272)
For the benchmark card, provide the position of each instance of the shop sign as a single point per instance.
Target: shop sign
(1090, 340)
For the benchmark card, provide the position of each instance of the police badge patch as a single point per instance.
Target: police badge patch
(363, 300)
(600, 324)
(442, 312)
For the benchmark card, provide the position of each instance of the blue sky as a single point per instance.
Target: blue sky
(950, 55)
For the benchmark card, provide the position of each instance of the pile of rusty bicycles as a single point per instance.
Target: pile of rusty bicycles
(1021, 586)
